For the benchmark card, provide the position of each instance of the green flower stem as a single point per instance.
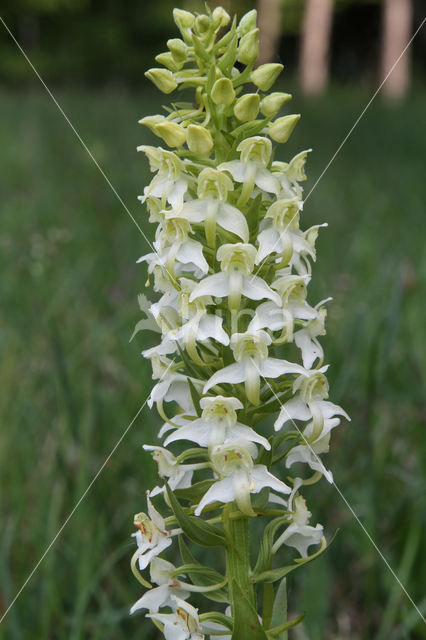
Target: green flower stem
(237, 558)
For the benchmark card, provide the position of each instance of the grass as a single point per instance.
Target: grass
(71, 383)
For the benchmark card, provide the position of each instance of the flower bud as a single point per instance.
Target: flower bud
(178, 49)
(202, 23)
(223, 91)
(265, 75)
(247, 107)
(167, 60)
(151, 121)
(220, 17)
(247, 22)
(248, 49)
(183, 19)
(281, 129)
(199, 139)
(173, 134)
(271, 104)
(163, 79)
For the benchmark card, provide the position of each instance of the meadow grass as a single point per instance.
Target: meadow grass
(71, 382)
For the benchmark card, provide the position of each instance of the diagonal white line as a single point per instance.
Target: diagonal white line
(68, 518)
(346, 501)
(348, 135)
(361, 115)
(83, 144)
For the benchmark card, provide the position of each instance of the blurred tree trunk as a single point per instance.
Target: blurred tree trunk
(397, 21)
(315, 45)
(270, 18)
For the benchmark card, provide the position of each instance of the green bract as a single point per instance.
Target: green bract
(239, 342)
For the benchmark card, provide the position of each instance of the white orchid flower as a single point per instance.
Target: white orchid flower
(290, 174)
(306, 339)
(186, 252)
(152, 536)
(179, 476)
(182, 624)
(237, 263)
(308, 403)
(212, 209)
(252, 363)
(299, 533)
(217, 425)
(308, 453)
(255, 154)
(240, 477)
(171, 182)
(163, 574)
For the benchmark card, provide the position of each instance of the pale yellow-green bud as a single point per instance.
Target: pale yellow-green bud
(248, 49)
(247, 22)
(179, 49)
(151, 121)
(247, 107)
(172, 133)
(202, 23)
(223, 91)
(265, 75)
(167, 60)
(163, 79)
(183, 19)
(271, 104)
(220, 17)
(199, 139)
(281, 129)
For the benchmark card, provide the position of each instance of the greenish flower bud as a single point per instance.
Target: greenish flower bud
(202, 23)
(163, 79)
(151, 121)
(248, 49)
(212, 182)
(265, 75)
(167, 60)
(271, 104)
(247, 107)
(220, 17)
(178, 49)
(223, 91)
(172, 133)
(199, 139)
(255, 149)
(183, 19)
(247, 22)
(281, 129)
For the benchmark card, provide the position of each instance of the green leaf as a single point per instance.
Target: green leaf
(265, 552)
(226, 62)
(202, 579)
(277, 631)
(276, 574)
(197, 529)
(279, 610)
(194, 493)
(219, 618)
(195, 397)
(246, 621)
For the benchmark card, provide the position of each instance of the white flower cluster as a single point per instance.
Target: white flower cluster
(231, 267)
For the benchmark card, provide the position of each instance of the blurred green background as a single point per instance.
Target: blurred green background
(71, 382)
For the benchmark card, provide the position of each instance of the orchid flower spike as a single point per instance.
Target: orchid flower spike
(235, 341)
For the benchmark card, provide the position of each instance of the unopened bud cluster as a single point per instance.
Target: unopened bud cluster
(239, 341)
